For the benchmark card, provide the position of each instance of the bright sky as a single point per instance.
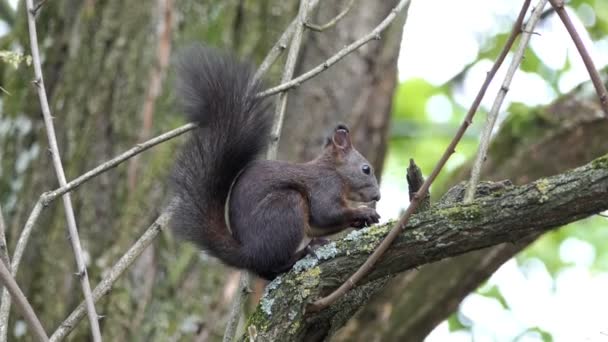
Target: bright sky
(437, 45)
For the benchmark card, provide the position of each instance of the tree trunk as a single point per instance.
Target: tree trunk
(357, 91)
(101, 59)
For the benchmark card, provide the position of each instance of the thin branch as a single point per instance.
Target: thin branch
(332, 22)
(104, 287)
(50, 196)
(578, 42)
(290, 66)
(374, 34)
(5, 295)
(112, 163)
(22, 304)
(39, 6)
(3, 247)
(486, 134)
(236, 307)
(69, 211)
(397, 228)
(281, 44)
(5, 305)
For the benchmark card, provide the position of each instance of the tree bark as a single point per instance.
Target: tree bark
(530, 144)
(506, 215)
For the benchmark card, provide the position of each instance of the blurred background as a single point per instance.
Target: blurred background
(555, 289)
(107, 67)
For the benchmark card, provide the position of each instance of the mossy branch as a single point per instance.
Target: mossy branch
(507, 214)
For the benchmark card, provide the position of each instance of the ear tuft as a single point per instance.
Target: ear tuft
(341, 139)
(342, 126)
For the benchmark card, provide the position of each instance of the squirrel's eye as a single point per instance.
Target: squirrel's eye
(366, 169)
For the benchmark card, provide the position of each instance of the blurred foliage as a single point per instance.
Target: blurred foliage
(420, 134)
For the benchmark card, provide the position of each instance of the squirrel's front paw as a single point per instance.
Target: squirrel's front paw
(365, 217)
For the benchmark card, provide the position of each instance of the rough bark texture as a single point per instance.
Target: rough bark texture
(446, 230)
(530, 144)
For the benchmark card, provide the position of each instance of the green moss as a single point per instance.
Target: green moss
(294, 327)
(461, 213)
(259, 320)
(364, 240)
(543, 187)
(600, 163)
(308, 281)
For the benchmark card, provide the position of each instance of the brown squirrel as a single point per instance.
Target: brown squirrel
(274, 208)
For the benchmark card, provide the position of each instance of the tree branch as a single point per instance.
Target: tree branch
(322, 303)
(3, 247)
(5, 306)
(332, 22)
(104, 287)
(21, 302)
(281, 44)
(518, 56)
(506, 215)
(374, 34)
(67, 202)
(290, 66)
(48, 197)
(558, 5)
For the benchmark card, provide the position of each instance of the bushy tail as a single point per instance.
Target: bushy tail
(217, 92)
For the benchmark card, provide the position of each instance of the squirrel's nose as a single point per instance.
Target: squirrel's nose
(376, 198)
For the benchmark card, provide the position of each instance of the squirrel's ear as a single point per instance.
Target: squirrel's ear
(341, 138)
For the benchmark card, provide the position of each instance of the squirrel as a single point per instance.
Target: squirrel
(258, 215)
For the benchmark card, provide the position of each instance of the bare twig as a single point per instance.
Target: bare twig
(139, 148)
(39, 6)
(384, 245)
(5, 307)
(5, 295)
(558, 5)
(48, 197)
(281, 44)
(236, 307)
(3, 247)
(486, 134)
(115, 272)
(332, 22)
(374, 34)
(22, 304)
(290, 66)
(69, 211)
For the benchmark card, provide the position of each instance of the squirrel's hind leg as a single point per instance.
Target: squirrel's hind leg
(280, 219)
